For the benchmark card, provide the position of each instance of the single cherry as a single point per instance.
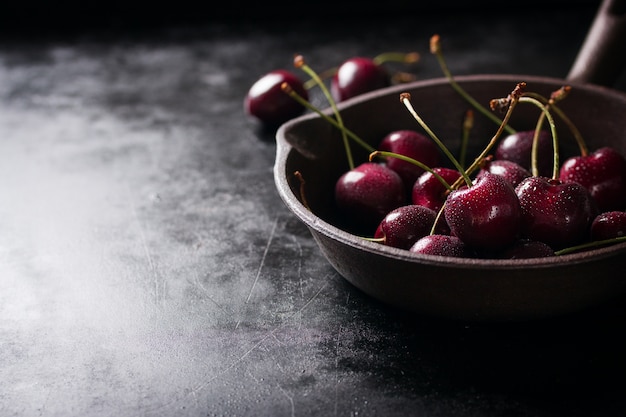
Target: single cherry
(441, 245)
(608, 225)
(267, 102)
(517, 147)
(366, 193)
(603, 173)
(513, 172)
(485, 215)
(414, 145)
(428, 191)
(404, 225)
(356, 76)
(555, 212)
(526, 248)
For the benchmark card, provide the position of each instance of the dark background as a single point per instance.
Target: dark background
(149, 268)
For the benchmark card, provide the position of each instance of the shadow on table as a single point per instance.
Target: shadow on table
(572, 364)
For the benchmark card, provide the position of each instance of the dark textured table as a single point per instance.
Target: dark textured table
(149, 268)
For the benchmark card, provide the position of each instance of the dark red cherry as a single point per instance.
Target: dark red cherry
(608, 225)
(414, 145)
(403, 226)
(429, 192)
(525, 249)
(485, 215)
(356, 76)
(517, 147)
(442, 245)
(267, 102)
(366, 193)
(603, 173)
(555, 212)
(513, 172)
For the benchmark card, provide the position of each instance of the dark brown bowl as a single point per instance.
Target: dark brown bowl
(466, 289)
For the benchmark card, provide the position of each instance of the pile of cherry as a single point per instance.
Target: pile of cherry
(515, 201)
(505, 212)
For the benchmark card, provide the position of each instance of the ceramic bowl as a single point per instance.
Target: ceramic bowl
(457, 288)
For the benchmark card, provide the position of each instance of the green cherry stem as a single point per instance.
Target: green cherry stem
(588, 245)
(407, 58)
(405, 98)
(300, 63)
(439, 215)
(405, 158)
(293, 94)
(468, 124)
(534, 152)
(555, 141)
(312, 82)
(435, 49)
(510, 102)
(557, 96)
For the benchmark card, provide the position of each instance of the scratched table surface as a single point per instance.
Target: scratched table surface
(149, 268)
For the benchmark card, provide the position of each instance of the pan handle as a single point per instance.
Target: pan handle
(602, 57)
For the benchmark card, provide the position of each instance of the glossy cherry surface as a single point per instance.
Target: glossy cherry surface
(486, 215)
(517, 147)
(428, 190)
(267, 102)
(414, 145)
(555, 212)
(403, 226)
(366, 193)
(603, 173)
(513, 172)
(608, 225)
(441, 245)
(356, 76)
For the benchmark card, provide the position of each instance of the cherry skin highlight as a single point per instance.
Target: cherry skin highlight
(366, 193)
(517, 147)
(429, 192)
(413, 145)
(555, 212)
(403, 226)
(608, 225)
(267, 102)
(356, 76)
(513, 172)
(441, 245)
(603, 173)
(486, 215)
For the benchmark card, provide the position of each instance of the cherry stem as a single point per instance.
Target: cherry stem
(407, 58)
(435, 49)
(555, 141)
(468, 124)
(287, 89)
(300, 63)
(311, 82)
(303, 199)
(375, 239)
(405, 98)
(402, 77)
(593, 244)
(387, 154)
(437, 218)
(509, 102)
(534, 152)
(570, 125)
